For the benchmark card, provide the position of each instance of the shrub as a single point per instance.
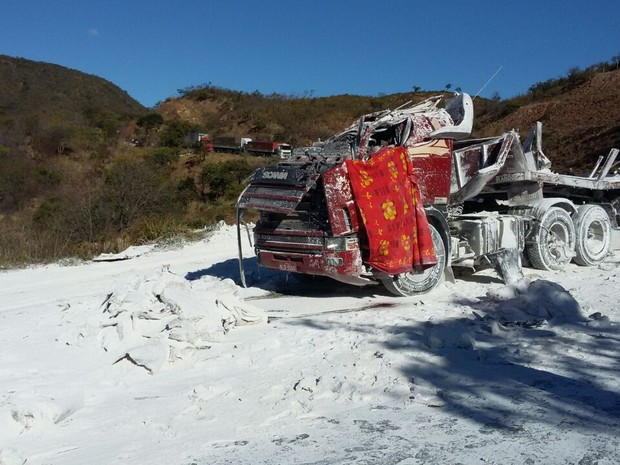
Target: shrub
(150, 121)
(175, 134)
(133, 189)
(55, 139)
(18, 182)
(162, 157)
(225, 179)
(152, 228)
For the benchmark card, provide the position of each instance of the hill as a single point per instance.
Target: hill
(85, 169)
(42, 101)
(58, 130)
(579, 114)
(579, 124)
(298, 120)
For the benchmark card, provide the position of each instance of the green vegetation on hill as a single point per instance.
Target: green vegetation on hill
(53, 109)
(297, 120)
(301, 120)
(85, 169)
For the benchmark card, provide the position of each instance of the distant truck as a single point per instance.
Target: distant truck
(248, 146)
(206, 142)
(268, 148)
(230, 144)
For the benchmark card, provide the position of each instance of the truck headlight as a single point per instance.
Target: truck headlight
(336, 244)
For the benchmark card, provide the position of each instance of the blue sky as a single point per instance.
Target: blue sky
(322, 47)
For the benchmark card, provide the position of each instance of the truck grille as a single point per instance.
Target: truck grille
(289, 243)
(272, 199)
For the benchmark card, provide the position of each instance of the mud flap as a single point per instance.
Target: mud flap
(448, 275)
(240, 249)
(507, 264)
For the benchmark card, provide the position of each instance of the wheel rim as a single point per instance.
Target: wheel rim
(409, 284)
(595, 237)
(428, 273)
(558, 243)
(552, 242)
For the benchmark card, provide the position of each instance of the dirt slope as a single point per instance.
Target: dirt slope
(578, 126)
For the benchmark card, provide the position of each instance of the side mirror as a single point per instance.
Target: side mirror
(461, 109)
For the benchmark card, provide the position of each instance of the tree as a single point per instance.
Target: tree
(162, 157)
(224, 179)
(448, 86)
(18, 181)
(55, 139)
(150, 121)
(133, 189)
(175, 132)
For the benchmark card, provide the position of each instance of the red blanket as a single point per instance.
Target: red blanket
(388, 200)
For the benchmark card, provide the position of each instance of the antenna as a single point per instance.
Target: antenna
(487, 83)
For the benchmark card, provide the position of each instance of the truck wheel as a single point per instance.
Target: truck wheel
(409, 284)
(552, 242)
(593, 228)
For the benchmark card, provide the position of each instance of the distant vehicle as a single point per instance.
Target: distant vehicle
(205, 142)
(230, 144)
(269, 148)
(248, 146)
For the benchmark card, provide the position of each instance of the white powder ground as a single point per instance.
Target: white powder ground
(163, 358)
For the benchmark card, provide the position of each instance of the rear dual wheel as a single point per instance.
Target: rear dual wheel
(593, 228)
(557, 238)
(552, 242)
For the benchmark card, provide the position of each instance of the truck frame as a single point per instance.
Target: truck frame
(491, 201)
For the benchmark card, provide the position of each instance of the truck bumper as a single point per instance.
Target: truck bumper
(334, 264)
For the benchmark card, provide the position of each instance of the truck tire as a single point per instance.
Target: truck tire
(410, 284)
(552, 241)
(593, 228)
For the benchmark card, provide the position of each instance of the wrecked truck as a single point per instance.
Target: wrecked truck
(402, 196)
